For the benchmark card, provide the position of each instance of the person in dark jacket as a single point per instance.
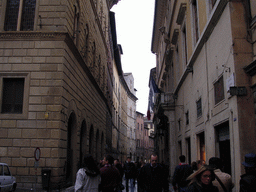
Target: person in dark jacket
(201, 180)
(248, 180)
(152, 177)
(181, 173)
(110, 176)
(130, 174)
(119, 166)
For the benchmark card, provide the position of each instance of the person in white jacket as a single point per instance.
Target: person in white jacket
(88, 177)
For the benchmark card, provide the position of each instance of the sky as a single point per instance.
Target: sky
(134, 25)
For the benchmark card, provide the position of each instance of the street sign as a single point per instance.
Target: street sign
(37, 154)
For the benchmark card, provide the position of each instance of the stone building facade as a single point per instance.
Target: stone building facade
(150, 136)
(56, 87)
(131, 115)
(140, 153)
(204, 70)
(144, 137)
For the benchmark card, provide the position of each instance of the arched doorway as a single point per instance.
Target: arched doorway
(91, 139)
(83, 142)
(71, 141)
(102, 145)
(97, 146)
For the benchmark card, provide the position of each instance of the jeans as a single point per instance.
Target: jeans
(132, 182)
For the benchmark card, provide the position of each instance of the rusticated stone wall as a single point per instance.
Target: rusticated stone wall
(65, 108)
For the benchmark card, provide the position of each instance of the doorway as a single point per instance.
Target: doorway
(83, 142)
(223, 145)
(70, 167)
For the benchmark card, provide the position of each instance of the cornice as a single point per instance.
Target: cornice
(129, 93)
(160, 9)
(32, 35)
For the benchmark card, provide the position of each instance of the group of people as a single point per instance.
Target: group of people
(210, 178)
(108, 177)
(153, 177)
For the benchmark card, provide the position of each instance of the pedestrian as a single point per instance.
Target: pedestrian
(194, 166)
(222, 180)
(130, 174)
(110, 176)
(118, 165)
(200, 163)
(88, 177)
(181, 173)
(201, 180)
(152, 177)
(248, 180)
(139, 166)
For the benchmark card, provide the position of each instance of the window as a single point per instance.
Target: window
(20, 15)
(187, 117)
(13, 93)
(199, 108)
(85, 47)
(76, 23)
(219, 90)
(195, 20)
(6, 171)
(184, 45)
(179, 124)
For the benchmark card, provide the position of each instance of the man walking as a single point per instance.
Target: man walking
(181, 173)
(152, 177)
(130, 174)
(223, 180)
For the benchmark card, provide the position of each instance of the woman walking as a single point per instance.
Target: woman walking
(201, 180)
(88, 177)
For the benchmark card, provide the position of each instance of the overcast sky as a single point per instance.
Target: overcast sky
(134, 24)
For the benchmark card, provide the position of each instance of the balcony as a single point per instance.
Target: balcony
(165, 100)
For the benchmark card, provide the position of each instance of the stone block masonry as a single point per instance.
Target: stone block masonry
(57, 86)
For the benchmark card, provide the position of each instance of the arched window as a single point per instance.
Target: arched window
(76, 23)
(91, 139)
(93, 57)
(20, 15)
(86, 43)
(99, 70)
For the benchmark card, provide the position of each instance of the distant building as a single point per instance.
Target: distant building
(131, 115)
(124, 104)
(150, 135)
(140, 153)
(144, 137)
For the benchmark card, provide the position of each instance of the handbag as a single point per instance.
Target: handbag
(222, 185)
